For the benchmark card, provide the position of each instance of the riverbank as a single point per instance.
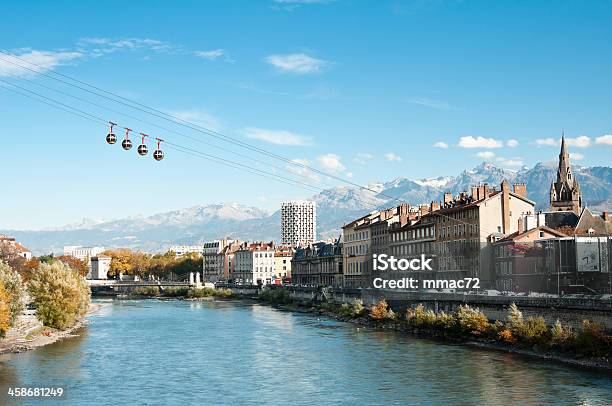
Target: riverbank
(547, 354)
(29, 333)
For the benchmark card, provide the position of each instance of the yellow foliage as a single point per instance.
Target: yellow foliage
(381, 311)
(506, 336)
(5, 310)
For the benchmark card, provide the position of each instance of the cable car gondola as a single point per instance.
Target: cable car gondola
(158, 154)
(142, 148)
(127, 144)
(110, 138)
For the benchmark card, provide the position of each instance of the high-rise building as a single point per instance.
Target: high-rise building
(565, 191)
(298, 223)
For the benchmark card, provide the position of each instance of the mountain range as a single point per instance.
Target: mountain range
(335, 207)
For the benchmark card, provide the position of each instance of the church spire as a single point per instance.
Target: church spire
(563, 146)
(565, 192)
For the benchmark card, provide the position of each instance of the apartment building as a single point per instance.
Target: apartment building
(15, 247)
(467, 223)
(254, 264)
(298, 223)
(282, 261)
(319, 264)
(180, 250)
(213, 259)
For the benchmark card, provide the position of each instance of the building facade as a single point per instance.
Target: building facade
(254, 264)
(82, 253)
(213, 259)
(466, 224)
(16, 247)
(100, 265)
(180, 250)
(282, 262)
(298, 223)
(319, 264)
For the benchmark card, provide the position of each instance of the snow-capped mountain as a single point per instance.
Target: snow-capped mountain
(335, 207)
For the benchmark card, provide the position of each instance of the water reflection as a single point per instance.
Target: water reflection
(231, 352)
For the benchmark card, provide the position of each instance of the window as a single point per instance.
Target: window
(541, 234)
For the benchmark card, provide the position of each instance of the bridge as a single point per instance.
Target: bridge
(113, 287)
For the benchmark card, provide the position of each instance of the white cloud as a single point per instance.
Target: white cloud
(303, 172)
(349, 174)
(296, 63)
(363, 157)
(485, 154)
(546, 141)
(210, 55)
(434, 104)
(199, 117)
(511, 162)
(331, 162)
(580, 142)
(393, 157)
(22, 63)
(512, 143)
(102, 46)
(277, 137)
(479, 142)
(604, 139)
(576, 156)
(440, 144)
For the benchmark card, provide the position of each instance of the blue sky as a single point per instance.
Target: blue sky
(366, 90)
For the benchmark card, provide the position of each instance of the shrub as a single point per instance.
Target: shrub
(445, 322)
(514, 318)
(224, 293)
(535, 330)
(60, 295)
(561, 336)
(472, 320)
(357, 308)
(176, 291)
(5, 310)
(147, 291)
(275, 296)
(381, 311)
(11, 280)
(419, 317)
(506, 336)
(592, 340)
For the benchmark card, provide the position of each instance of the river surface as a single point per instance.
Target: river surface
(230, 352)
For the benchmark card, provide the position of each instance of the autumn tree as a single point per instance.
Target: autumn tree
(60, 295)
(13, 284)
(5, 310)
(76, 264)
(121, 261)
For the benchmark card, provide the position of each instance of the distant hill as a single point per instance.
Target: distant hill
(335, 206)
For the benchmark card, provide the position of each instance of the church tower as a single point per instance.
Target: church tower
(565, 192)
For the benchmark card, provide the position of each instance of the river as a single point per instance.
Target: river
(151, 352)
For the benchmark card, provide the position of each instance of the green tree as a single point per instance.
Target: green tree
(60, 294)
